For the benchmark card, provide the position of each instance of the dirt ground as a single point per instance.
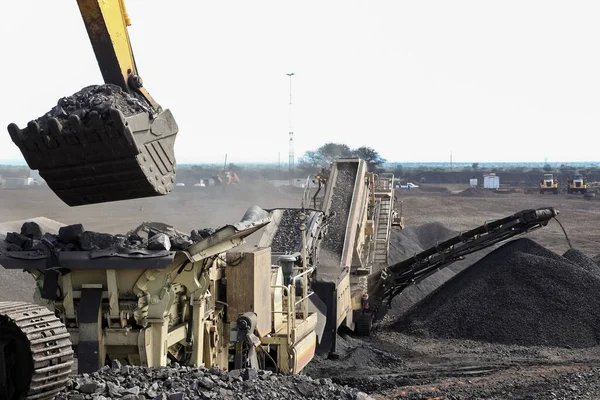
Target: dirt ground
(389, 365)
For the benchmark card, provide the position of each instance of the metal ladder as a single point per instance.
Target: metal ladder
(384, 192)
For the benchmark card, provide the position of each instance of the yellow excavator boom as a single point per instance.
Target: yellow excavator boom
(106, 142)
(106, 23)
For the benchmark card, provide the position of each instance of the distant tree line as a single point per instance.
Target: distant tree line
(314, 160)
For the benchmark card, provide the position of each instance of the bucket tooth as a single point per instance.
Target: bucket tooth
(93, 157)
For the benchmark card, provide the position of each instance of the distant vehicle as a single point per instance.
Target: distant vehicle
(409, 185)
(200, 184)
(577, 184)
(180, 184)
(549, 183)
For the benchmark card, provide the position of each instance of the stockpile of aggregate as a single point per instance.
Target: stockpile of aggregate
(149, 235)
(477, 192)
(186, 383)
(333, 243)
(409, 241)
(98, 98)
(521, 293)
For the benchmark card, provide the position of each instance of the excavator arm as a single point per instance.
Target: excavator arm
(106, 142)
(106, 23)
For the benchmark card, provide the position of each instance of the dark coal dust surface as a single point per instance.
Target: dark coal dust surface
(521, 293)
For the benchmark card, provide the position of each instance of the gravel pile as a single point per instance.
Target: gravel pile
(98, 98)
(183, 383)
(149, 235)
(288, 238)
(521, 293)
(333, 243)
(409, 241)
(477, 192)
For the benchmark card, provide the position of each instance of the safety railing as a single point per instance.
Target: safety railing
(293, 307)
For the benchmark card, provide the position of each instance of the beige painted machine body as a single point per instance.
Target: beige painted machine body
(181, 306)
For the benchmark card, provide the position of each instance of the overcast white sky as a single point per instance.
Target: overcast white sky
(487, 80)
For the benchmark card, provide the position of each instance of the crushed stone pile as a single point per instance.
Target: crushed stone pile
(149, 235)
(186, 383)
(521, 293)
(409, 241)
(98, 98)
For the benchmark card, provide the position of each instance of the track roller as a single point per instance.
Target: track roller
(36, 354)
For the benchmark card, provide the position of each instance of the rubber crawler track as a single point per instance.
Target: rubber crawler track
(50, 346)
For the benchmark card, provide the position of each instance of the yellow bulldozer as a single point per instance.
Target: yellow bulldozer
(577, 184)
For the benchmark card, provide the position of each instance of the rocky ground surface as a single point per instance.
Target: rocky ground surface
(185, 383)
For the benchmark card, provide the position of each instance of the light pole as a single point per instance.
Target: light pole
(291, 133)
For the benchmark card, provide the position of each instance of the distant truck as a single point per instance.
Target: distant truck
(577, 184)
(549, 184)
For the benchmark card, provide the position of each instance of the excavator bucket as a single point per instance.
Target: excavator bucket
(101, 145)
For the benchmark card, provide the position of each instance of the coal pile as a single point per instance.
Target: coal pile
(333, 242)
(149, 235)
(288, 238)
(186, 383)
(521, 293)
(477, 192)
(415, 239)
(409, 241)
(100, 98)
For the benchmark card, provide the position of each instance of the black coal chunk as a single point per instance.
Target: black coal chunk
(99, 98)
(90, 240)
(32, 230)
(50, 238)
(13, 247)
(200, 234)
(135, 242)
(159, 242)
(70, 234)
(179, 242)
(16, 239)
